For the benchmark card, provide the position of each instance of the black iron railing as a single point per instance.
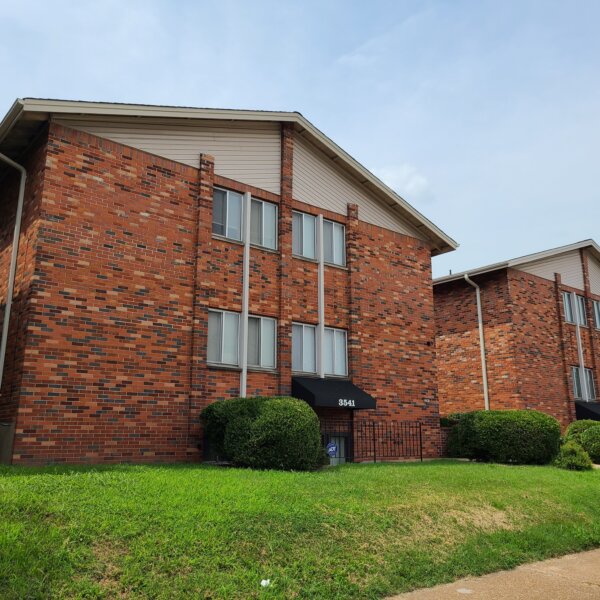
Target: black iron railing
(371, 440)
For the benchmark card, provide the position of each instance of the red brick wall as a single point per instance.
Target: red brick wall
(529, 347)
(127, 269)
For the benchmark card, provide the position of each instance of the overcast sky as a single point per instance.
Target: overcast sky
(485, 115)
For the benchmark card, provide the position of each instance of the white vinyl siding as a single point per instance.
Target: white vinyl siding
(334, 243)
(227, 213)
(594, 272)
(223, 337)
(319, 182)
(304, 235)
(335, 352)
(261, 342)
(567, 264)
(304, 348)
(597, 313)
(246, 151)
(263, 224)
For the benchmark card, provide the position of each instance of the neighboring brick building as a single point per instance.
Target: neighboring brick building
(541, 324)
(130, 299)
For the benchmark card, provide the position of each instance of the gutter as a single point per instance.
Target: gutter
(486, 397)
(243, 348)
(13, 261)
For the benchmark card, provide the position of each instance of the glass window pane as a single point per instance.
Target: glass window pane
(339, 245)
(308, 236)
(253, 341)
(214, 336)
(230, 338)
(340, 353)
(297, 347)
(597, 313)
(581, 314)
(309, 363)
(590, 384)
(328, 254)
(256, 219)
(267, 343)
(297, 234)
(219, 203)
(567, 302)
(234, 215)
(328, 352)
(269, 225)
(576, 382)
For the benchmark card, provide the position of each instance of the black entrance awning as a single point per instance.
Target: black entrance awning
(587, 410)
(334, 393)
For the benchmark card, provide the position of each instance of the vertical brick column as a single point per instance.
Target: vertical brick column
(562, 345)
(200, 300)
(284, 328)
(589, 313)
(352, 262)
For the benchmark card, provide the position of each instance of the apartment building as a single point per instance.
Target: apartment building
(171, 257)
(523, 333)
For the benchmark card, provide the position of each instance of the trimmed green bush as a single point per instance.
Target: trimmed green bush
(576, 429)
(265, 433)
(573, 457)
(590, 440)
(506, 436)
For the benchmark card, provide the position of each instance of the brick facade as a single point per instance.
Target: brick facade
(530, 349)
(118, 267)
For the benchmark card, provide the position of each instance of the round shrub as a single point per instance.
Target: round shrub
(284, 435)
(573, 457)
(505, 436)
(590, 440)
(576, 429)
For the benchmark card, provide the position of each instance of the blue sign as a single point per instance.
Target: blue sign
(332, 449)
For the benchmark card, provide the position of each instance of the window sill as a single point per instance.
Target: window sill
(224, 238)
(316, 376)
(272, 371)
(223, 367)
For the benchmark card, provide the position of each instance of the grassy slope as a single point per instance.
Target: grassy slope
(356, 531)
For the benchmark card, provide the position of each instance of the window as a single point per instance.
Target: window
(578, 383)
(304, 235)
(334, 243)
(334, 352)
(581, 313)
(223, 336)
(568, 304)
(261, 342)
(597, 313)
(304, 348)
(263, 224)
(227, 213)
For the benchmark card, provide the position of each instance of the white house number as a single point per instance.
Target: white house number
(346, 402)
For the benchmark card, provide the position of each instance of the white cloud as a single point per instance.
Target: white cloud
(405, 179)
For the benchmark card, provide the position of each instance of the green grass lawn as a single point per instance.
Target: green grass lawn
(358, 531)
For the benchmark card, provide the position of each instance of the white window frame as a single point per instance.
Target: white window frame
(261, 243)
(581, 306)
(591, 385)
(568, 307)
(261, 364)
(303, 254)
(314, 328)
(224, 235)
(337, 330)
(221, 362)
(342, 260)
(596, 305)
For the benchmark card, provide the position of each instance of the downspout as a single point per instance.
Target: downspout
(486, 397)
(320, 299)
(13, 262)
(245, 294)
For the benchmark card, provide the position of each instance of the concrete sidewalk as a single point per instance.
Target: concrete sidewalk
(572, 577)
